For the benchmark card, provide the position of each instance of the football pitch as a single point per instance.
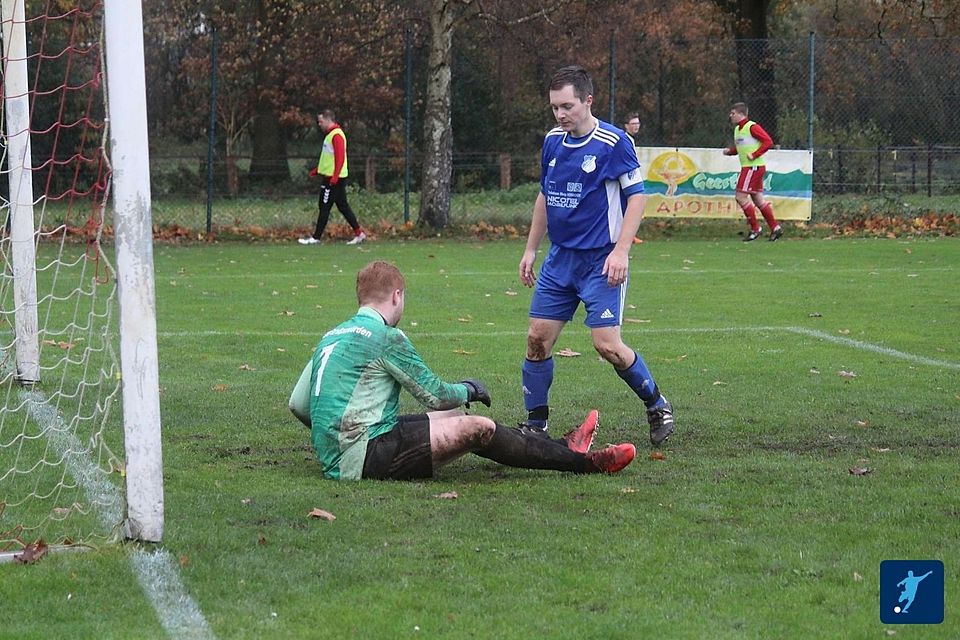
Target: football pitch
(816, 388)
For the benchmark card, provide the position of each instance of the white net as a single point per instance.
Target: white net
(60, 478)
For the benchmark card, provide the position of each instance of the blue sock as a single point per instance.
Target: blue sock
(537, 378)
(639, 378)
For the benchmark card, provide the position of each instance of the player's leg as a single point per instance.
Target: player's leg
(551, 307)
(537, 370)
(339, 195)
(528, 450)
(325, 205)
(766, 209)
(743, 189)
(604, 306)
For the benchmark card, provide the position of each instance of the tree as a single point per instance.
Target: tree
(437, 134)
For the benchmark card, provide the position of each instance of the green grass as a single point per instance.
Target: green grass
(752, 526)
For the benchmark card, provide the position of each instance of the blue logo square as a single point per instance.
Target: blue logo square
(911, 591)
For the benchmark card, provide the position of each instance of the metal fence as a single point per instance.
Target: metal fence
(882, 116)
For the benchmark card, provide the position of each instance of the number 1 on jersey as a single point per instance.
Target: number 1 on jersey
(324, 356)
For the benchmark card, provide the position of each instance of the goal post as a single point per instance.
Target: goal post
(127, 100)
(77, 321)
(20, 183)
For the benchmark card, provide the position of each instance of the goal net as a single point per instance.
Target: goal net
(65, 432)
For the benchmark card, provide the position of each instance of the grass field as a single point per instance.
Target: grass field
(752, 526)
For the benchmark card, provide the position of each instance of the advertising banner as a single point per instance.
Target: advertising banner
(684, 182)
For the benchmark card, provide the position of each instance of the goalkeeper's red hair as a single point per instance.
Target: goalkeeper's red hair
(378, 282)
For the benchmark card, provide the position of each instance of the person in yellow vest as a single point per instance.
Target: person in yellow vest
(750, 143)
(333, 171)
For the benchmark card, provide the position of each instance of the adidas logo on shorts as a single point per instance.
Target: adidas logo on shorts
(606, 315)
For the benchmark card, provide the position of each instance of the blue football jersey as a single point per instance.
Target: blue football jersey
(586, 182)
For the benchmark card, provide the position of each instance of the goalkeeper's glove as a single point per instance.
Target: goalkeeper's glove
(476, 392)
(313, 172)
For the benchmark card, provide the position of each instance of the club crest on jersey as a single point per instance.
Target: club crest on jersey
(552, 163)
(589, 164)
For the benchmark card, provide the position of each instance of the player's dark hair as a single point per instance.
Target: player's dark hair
(328, 114)
(377, 281)
(575, 76)
(631, 116)
(741, 107)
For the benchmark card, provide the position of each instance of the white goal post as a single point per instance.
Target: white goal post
(133, 222)
(59, 476)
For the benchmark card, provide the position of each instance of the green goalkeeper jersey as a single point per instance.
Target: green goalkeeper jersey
(356, 374)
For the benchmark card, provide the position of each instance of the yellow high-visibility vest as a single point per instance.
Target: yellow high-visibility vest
(747, 144)
(325, 163)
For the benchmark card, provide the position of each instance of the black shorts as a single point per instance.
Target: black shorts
(402, 453)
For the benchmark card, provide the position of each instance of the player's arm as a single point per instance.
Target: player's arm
(617, 265)
(766, 142)
(538, 229)
(406, 366)
(299, 402)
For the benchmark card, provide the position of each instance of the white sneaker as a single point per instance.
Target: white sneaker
(310, 240)
(357, 239)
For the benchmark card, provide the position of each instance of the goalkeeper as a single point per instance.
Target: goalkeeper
(348, 394)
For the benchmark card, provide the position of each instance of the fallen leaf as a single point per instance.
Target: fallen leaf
(814, 370)
(882, 449)
(846, 374)
(466, 319)
(320, 514)
(32, 552)
(287, 313)
(447, 495)
(246, 367)
(628, 490)
(657, 455)
(636, 320)
(863, 423)
(510, 292)
(220, 387)
(567, 352)
(860, 471)
(61, 512)
(857, 577)
(843, 331)
(815, 315)
(719, 383)
(309, 286)
(246, 501)
(261, 540)
(184, 561)
(464, 352)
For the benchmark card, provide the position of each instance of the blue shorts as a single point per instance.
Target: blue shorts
(569, 276)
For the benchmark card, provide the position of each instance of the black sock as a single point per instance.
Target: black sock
(516, 448)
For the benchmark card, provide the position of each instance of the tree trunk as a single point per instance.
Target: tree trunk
(755, 63)
(437, 130)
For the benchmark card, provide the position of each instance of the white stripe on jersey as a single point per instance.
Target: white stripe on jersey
(607, 137)
(614, 211)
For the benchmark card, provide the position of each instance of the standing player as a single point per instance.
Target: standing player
(750, 143)
(348, 394)
(590, 204)
(332, 168)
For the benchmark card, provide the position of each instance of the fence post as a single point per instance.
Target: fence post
(913, 172)
(504, 171)
(878, 168)
(813, 40)
(370, 174)
(929, 170)
(840, 176)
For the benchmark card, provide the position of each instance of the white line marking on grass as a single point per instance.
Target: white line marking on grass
(176, 610)
(626, 329)
(157, 573)
(875, 348)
